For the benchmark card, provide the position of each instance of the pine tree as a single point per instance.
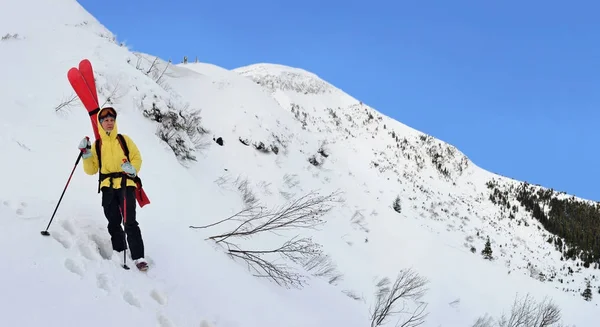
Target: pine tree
(487, 250)
(587, 293)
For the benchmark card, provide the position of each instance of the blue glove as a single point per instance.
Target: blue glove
(86, 147)
(128, 169)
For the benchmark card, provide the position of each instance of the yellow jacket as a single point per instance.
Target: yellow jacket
(112, 157)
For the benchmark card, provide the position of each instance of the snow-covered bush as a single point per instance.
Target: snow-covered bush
(180, 128)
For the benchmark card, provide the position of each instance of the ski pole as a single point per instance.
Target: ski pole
(124, 188)
(45, 232)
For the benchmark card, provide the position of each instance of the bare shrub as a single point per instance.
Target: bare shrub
(304, 212)
(114, 89)
(324, 267)
(158, 77)
(296, 250)
(291, 180)
(9, 36)
(526, 313)
(408, 286)
(222, 180)
(248, 196)
(286, 195)
(266, 187)
(352, 295)
(66, 102)
(154, 70)
(485, 321)
(359, 220)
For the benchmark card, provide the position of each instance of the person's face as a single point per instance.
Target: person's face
(108, 124)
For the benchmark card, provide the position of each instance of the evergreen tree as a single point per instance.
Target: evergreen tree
(487, 250)
(587, 293)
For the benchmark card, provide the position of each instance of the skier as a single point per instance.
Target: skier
(112, 167)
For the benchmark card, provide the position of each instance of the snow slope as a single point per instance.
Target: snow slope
(314, 137)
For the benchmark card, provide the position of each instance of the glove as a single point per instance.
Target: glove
(86, 147)
(128, 169)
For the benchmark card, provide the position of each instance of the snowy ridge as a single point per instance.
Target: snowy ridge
(278, 77)
(407, 156)
(216, 142)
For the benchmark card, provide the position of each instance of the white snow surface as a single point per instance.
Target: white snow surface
(72, 278)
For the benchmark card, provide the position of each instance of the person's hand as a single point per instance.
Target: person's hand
(128, 169)
(86, 147)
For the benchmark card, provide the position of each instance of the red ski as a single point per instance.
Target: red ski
(83, 83)
(85, 67)
(88, 97)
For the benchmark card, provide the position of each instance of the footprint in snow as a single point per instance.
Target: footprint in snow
(131, 299)
(87, 252)
(21, 209)
(73, 267)
(68, 227)
(60, 238)
(103, 246)
(158, 297)
(205, 323)
(103, 282)
(163, 321)
(96, 248)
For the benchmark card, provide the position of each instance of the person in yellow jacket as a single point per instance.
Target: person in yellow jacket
(114, 166)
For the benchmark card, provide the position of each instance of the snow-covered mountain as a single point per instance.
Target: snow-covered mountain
(340, 198)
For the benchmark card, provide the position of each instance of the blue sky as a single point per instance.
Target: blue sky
(515, 85)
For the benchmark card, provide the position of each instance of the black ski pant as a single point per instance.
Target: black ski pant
(112, 201)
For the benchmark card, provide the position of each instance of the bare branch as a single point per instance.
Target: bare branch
(525, 313)
(296, 250)
(304, 212)
(163, 72)
(417, 317)
(521, 314)
(547, 314)
(408, 286)
(114, 87)
(235, 216)
(66, 102)
(485, 321)
(152, 66)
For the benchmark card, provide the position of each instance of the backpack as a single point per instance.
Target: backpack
(102, 176)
